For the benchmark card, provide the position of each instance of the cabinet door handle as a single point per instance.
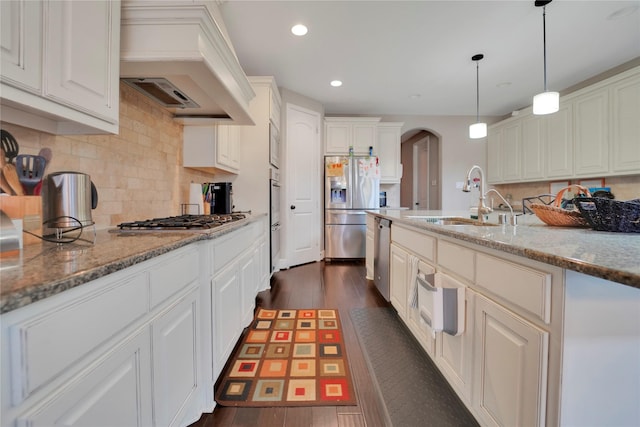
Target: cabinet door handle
(293, 207)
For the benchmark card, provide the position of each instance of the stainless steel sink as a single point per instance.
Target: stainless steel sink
(449, 221)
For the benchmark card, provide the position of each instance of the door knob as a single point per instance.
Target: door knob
(293, 207)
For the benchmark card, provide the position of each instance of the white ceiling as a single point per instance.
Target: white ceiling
(387, 51)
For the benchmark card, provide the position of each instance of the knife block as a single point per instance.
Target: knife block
(29, 210)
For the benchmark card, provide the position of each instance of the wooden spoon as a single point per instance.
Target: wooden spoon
(4, 185)
(11, 175)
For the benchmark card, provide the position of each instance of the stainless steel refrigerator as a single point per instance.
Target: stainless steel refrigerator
(352, 185)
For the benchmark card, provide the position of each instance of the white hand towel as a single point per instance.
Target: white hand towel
(413, 276)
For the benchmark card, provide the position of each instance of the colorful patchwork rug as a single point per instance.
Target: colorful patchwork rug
(289, 358)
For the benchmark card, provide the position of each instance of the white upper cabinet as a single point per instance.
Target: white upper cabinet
(503, 151)
(591, 119)
(341, 133)
(559, 142)
(212, 147)
(595, 133)
(494, 154)
(625, 125)
(21, 44)
(389, 140)
(55, 78)
(275, 107)
(533, 147)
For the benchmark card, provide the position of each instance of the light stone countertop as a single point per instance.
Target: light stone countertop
(45, 269)
(611, 256)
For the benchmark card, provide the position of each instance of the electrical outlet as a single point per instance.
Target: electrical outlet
(459, 185)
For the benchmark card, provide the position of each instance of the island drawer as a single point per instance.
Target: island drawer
(420, 244)
(457, 259)
(526, 287)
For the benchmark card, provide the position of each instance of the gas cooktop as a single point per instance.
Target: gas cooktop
(183, 222)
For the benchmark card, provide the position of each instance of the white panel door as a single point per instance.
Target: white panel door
(533, 147)
(303, 186)
(226, 317)
(454, 355)
(559, 142)
(337, 138)
(512, 147)
(82, 56)
(510, 371)
(113, 391)
(398, 272)
(494, 155)
(625, 132)
(248, 280)
(175, 360)
(591, 118)
(21, 44)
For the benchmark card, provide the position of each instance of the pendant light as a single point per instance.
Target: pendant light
(545, 102)
(477, 130)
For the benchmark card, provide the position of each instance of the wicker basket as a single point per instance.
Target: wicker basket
(611, 215)
(554, 215)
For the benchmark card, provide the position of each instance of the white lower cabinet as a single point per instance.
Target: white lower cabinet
(510, 367)
(176, 361)
(398, 265)
(226, 315)
(248, 281)
(454, 354)
(240, 269)
(114, 390)
(139, 347)
(504, 362)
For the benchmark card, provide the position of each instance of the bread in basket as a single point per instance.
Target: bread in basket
(554, 214)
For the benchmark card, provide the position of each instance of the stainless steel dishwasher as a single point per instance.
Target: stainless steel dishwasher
(381, 241)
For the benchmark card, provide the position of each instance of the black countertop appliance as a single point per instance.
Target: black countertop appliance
(222, 202)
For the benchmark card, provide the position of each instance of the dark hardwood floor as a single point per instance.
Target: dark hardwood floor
(340, 285)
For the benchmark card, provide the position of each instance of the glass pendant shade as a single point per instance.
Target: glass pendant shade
(546, 103)
(477, 130)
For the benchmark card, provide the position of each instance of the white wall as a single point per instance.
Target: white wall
(601, 359)
(458, 153)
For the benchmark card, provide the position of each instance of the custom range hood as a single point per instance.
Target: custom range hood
(176, 53)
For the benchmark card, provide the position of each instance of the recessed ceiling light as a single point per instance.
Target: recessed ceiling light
(415, 96)
(625, 11)
(336, 83)
(299, 30)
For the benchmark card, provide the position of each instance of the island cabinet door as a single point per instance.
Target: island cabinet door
(112, 390)
(509, 385)
(398, 265)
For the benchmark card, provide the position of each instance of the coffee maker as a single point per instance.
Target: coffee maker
(222, 202)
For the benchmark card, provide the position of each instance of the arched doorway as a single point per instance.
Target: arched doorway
(420, 186)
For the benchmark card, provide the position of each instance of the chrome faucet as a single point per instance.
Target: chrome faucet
(482, 208)
(513, 220)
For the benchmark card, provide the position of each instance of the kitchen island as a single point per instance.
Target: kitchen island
(130, 328)
(611, 256)
(550, 316)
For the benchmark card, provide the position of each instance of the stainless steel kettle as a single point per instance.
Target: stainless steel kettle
(68, 198)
